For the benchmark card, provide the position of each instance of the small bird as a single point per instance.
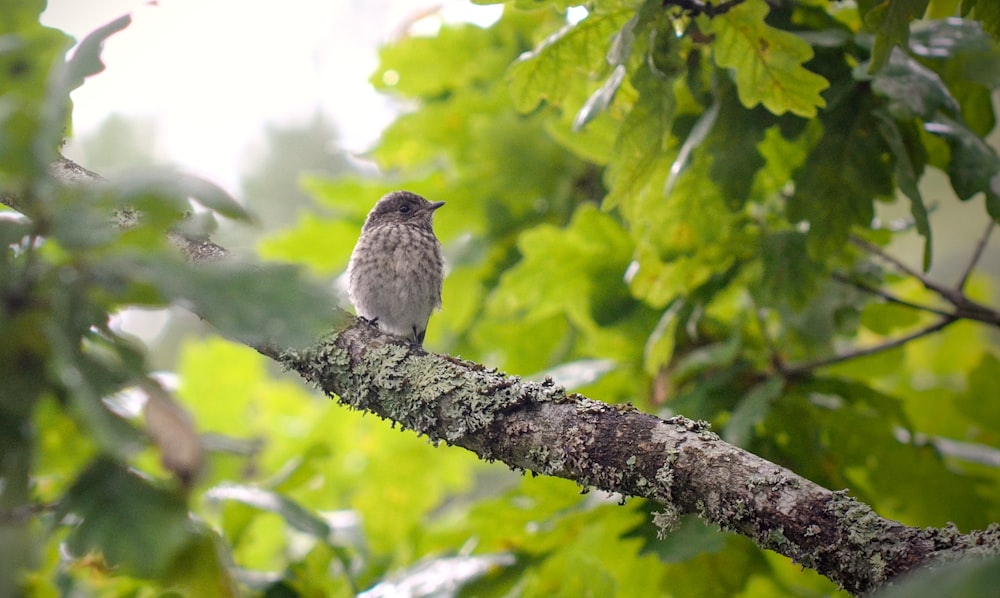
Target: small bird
(395, 273)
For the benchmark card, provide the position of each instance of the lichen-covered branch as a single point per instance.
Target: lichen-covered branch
(677, 462)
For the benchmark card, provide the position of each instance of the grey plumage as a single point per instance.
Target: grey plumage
(395, 273)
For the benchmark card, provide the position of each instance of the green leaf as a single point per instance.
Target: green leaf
(890, 20)
(691, 538)
(642, 140)
(142, 189)
(885, 318)
(988, 13)
(845, 171)
(959, 48)
(790, 274)
(908, 161)
(766, 62)
(293, 513)
(427, 67)
(565, 59)
(134, 524)
(978, 402)
(29, 53)
(286, 307)
(733, 145)
(576, 271)
(967, 577)
(913, 89)
(973, 166)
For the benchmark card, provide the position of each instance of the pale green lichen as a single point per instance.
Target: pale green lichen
(666, 521)
(864, 525)
(434, 395)
(776, 539)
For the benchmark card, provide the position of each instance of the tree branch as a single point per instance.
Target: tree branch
(964, 307)
(888, 296)
(976, 254)
(806, 368)
(677, 462)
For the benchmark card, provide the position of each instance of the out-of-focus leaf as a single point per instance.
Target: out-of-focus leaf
(642, 139)
(752, 410)
(286, 307)
(766, 62)
(564, 59)
(294, 514)
(884, 318)
(575, 374)
(138, 189)
(87, 381)
(418, 66)
(790, 274)
(961, 46)
(979, 402)
(202, 567)
(733, 144)
(86, 59)
(29, 136)
(974, 165)
(968, 577)
(913, 89)
(107, 496)
(691, 538)
(439, 577)
(844, 173)
(890, 21)
(695, 137)
(173, 431)
(575, 272)
(599, 101)
(909, 159)
(988, 14)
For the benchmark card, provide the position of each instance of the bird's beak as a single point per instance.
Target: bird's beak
(435, 205)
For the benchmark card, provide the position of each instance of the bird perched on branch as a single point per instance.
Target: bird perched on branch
(395, 273)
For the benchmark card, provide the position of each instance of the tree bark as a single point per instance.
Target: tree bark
(677, 462)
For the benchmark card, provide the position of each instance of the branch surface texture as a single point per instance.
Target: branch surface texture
(680, 463)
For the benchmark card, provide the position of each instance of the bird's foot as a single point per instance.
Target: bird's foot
(372, 322)
(417, 340)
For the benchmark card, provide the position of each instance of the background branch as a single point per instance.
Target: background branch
(964, 307)
(976, 255)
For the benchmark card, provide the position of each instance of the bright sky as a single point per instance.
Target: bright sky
(213, 73)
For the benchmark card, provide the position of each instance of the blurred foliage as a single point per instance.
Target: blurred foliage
(653, 206)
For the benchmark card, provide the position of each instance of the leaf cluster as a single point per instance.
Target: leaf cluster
(78, 401)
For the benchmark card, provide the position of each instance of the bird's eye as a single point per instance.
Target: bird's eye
(404, 209)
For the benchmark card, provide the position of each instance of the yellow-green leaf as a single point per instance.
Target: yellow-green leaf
(766, 62)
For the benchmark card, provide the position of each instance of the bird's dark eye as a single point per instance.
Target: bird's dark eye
(404, 209)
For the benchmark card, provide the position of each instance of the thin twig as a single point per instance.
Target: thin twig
(23, 513)
(964, 307)
(889, 296)
(978, 253)
(942, 290)
(805, 368)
